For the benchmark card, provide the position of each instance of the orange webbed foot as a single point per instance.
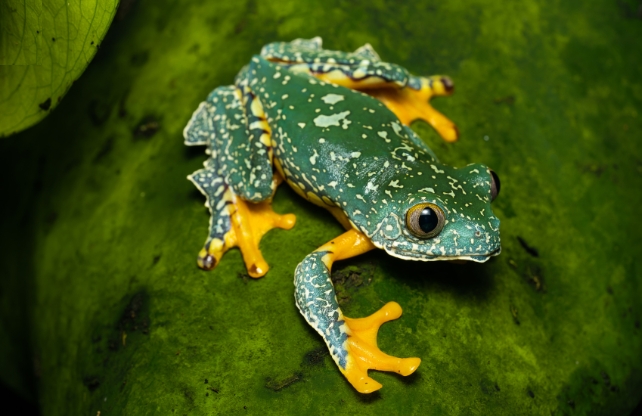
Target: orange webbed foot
(365, 354)
(249, 223)
(409, 104)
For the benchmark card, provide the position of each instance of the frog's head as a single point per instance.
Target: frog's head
(448, 218)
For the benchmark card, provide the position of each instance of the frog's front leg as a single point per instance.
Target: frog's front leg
(413, 103)
(352, 342)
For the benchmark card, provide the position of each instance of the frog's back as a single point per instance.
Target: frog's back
(332, 139)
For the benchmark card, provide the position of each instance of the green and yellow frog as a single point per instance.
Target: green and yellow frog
(334, 126)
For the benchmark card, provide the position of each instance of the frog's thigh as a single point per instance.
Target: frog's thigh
(243, 144)
(367, 82)
(241, 162)
(410, 104)
(352, 342)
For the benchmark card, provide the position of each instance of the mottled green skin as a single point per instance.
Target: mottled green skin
(358, 65)
(347, 148)
(96, 215)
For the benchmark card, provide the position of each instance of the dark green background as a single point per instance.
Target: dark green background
(100, 228)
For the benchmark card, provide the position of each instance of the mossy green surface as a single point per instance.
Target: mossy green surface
(100, 228)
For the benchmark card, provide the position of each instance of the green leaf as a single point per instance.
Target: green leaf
(45, 45)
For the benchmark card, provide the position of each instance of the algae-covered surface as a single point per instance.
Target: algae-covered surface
(103, 307)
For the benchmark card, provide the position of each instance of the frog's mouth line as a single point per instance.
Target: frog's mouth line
(478, 258)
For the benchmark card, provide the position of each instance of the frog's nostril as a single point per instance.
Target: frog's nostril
(477, 233)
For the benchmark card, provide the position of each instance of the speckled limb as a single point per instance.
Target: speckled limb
(238, 180)
(363, 65)
(317, 302)
(200, 130)
(217, 196)
(413, 103)
(437, 85)
(404, 94)
(352, 342)
(241, 142)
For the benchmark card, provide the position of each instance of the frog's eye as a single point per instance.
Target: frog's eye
(425, 220)
(495, 185)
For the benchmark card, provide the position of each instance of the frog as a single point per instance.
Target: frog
(334, 126)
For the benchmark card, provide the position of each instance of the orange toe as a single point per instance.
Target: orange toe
(364, 354)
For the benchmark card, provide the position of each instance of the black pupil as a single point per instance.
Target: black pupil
(428, 220)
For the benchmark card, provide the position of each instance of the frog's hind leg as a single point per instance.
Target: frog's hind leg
(413, 103)
(409, 102)
(404, 94)
(235, 222)
(352, 342)
(250, 221)
(237, 180)
(221, 237)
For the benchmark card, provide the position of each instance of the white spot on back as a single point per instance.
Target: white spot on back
(396, 127)
(436, 169)
(313, 158)
(332, 120)
(332, 98)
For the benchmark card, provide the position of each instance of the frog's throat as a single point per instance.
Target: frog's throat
(482, 258)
